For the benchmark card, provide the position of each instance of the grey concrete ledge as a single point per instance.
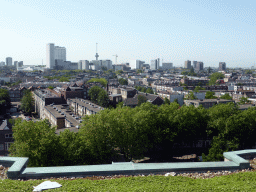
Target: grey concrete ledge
(18, 169)
(16, 164)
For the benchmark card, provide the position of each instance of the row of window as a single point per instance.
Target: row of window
(7, 146)
(8, 135)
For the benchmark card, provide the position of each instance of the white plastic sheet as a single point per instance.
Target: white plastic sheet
(47, 185)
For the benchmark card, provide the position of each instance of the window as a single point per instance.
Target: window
(1, 147)
(7, 145)
(8, 135)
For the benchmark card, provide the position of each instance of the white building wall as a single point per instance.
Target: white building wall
(50, 58)
(136, 64)
(83, 65)
(60, 53)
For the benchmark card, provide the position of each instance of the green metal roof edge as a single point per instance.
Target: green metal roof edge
(18, 167)
(16, 164)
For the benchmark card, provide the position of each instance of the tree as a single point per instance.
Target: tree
(27, 102)
(123, 81)
(150, 91)
(214, 77)
(119, 72)
(141, 99)
(190, 96)
(50, 87)
(143, 89)
(226, 96)
(5, 101)
(99, 96)
(176, 101)
(64, 79)
(138, 71)
(210, 95)
(102, 81)
(103, 99)
(37, 141)
(244, 100)
(198, 88)
(167, 101)
(248, 72)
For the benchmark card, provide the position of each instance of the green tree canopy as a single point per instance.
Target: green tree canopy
(210, 95)
(36, 140)
(63, 79)
(198, 88)
(141, 99)
(5, 101)
(99, 96)
(226, 96)
(190, 96)
(102, 81)
(150, 91)
(167, 101)
(123, 81)
(27, 102)
(139, 71)
(214, 77)
(244, 100)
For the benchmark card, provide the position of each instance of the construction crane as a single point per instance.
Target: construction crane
(116, 58)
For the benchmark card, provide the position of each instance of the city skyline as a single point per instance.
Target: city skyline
(208, 31)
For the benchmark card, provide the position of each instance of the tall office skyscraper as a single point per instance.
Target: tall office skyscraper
(222, 66)
(154, 64)
(8, 61)
(136, 64)
(20, 63)
(53, 53)
(194, 64)
(15, 63)
(187, 64)
(199, 66)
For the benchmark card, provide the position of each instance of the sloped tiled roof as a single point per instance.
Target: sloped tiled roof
(5, 125)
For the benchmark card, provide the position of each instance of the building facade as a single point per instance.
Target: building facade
(187, 64)
(136, 64)
(222, 66)
(53, 53)
(154, 64)
(167, 66)
(8, 61)
(83, 65)
(199, 66)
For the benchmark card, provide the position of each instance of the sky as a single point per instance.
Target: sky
(211, 31)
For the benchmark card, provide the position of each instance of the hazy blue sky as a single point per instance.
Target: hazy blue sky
(204, 30)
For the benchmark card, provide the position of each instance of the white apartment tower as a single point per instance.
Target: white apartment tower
(53, 53)
(136, 64)
(60, 53)
(8, 61)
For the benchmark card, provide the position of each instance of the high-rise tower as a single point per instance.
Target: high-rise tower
(97, 55)
(53, 53)
(8, 61)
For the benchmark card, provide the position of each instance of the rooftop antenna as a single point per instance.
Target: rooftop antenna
(97, 55)
(116, 58)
